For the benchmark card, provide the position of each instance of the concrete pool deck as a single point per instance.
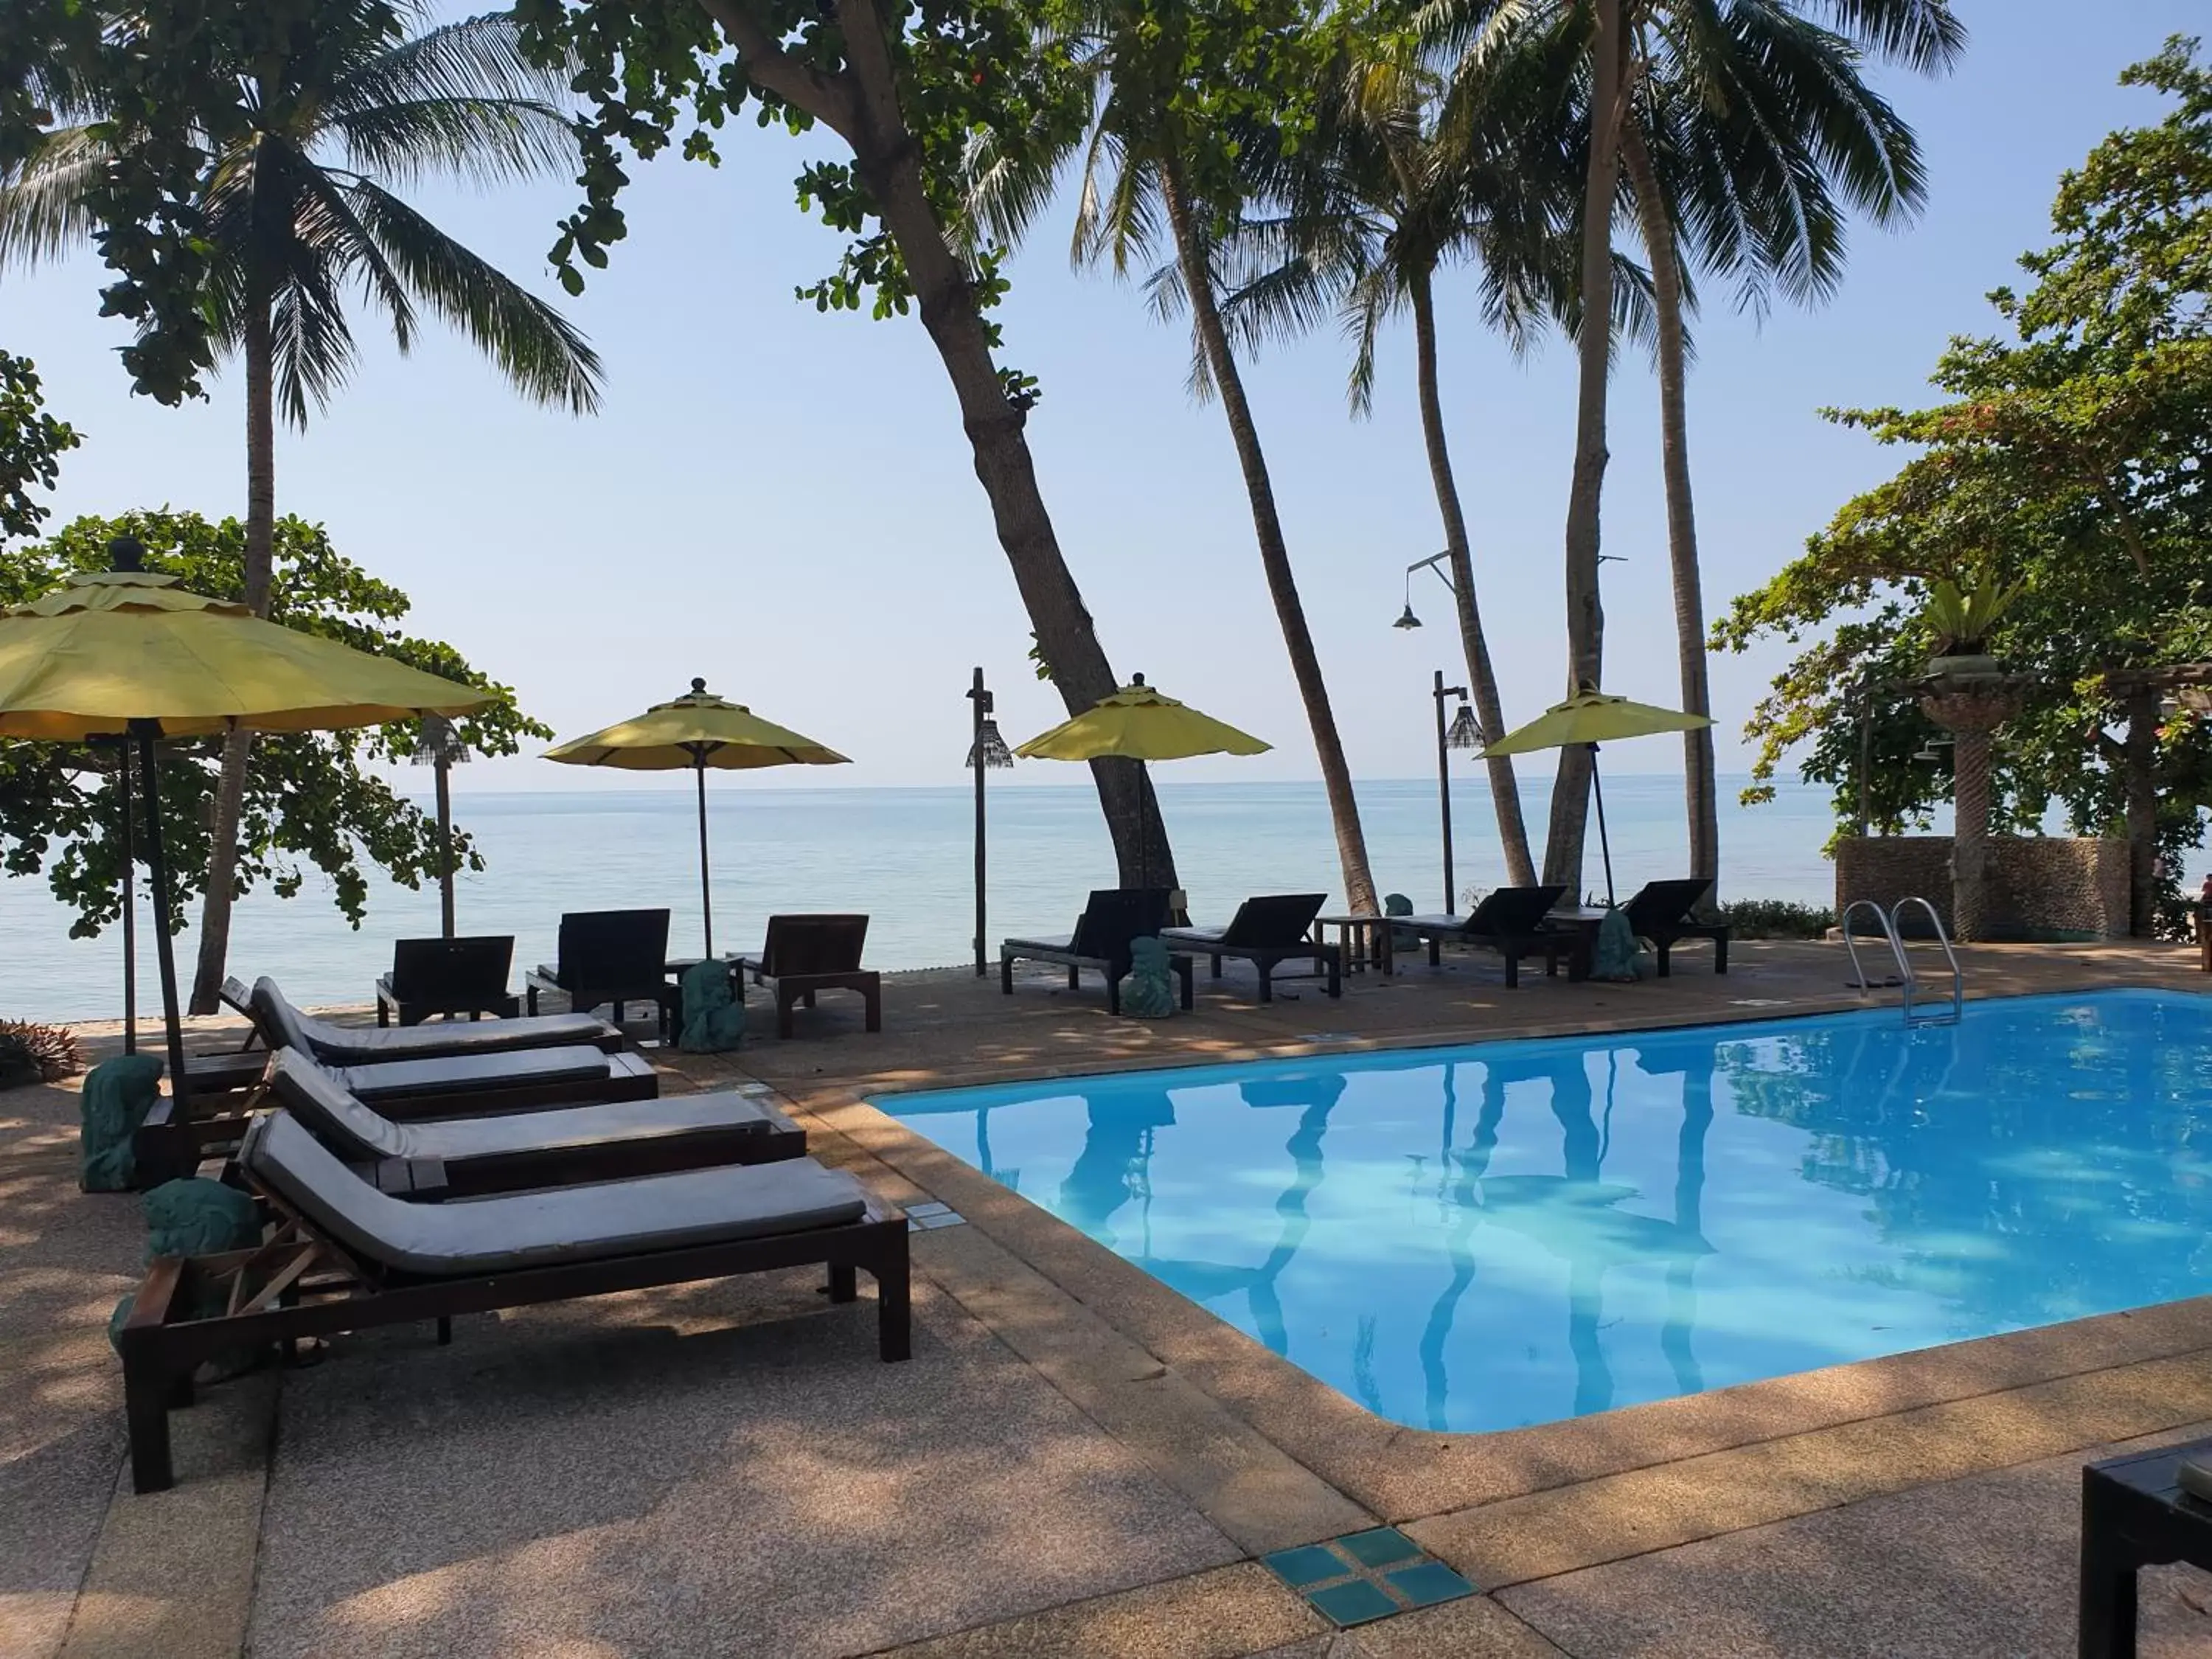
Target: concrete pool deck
(1077, 1460)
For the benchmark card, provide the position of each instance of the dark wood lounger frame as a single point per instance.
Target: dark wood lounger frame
(1033, 949)
(300, 1285)
(168, 1146)
(1328, 961)
(791, 989)
(1554, 947)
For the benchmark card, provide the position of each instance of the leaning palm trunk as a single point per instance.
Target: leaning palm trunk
(1504, 788)
(1563, 850)
(1697, 780)
(888, 160)
(259, 350)
(1274, 555)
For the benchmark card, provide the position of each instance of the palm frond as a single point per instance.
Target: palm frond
(542, 355)
(43, 199)
(481, 141)
(477, 59)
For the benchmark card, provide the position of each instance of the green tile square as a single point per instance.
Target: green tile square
(1354, 1603)
(1310, 1564)
(1380, 1547)
(1429, 1583)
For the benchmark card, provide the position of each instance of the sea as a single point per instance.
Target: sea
(905, 856)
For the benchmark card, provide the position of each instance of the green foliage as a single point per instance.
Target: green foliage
(249, 172)
(661, 72)
(32, 444)
(310, 802)
(1777, 919)
(1964, 618)
(2066, 465)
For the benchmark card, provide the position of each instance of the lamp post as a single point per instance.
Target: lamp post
(442, 748)
(987, 749)
(1459, 732)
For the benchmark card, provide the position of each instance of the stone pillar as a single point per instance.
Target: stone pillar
(1970, 707)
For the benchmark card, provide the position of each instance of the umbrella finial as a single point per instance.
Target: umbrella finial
(126, 553)
(698, 685)
(1136, 679)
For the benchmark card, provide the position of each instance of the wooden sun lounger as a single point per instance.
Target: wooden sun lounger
(1266, 932)
(346, 1257)
(437, 1158)
(1509, 920)
(805, 955)
(1112, 920)
(279, 1024)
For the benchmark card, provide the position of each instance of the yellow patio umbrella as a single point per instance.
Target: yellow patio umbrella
(1590, 717)
(129, 654)
(695, 732)
(1137, 723)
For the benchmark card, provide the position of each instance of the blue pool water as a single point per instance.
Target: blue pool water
(1508, 1233)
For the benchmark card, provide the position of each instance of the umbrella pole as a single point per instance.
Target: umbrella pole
(129, 909)
(445, 845)
(705, 893)
(157, 863)
(1605, 845)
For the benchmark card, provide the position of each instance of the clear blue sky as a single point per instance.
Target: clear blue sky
(782, 501)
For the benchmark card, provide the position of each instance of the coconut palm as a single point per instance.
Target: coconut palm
(1750, 135)
(1150, 167)
(298, 205)
(1396, 182)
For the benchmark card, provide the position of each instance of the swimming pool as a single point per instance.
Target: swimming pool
(1513, 1232)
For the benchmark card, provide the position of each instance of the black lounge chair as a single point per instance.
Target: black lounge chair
(449, 976)
(1663, 912)
(346, 1257)
(1112, 920)
(437, 1158)
(1264, 932)
(807, 954)
(610, 957)
(1509, 920)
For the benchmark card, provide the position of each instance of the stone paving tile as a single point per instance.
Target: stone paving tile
(1476, 1629)
(1982, 1568)
(641, 1474)
(1213, 1615)
(1625, 1515)
(65, 1257)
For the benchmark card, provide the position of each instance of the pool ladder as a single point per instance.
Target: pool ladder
(1908, 978)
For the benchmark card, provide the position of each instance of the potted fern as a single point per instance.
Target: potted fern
(1962, 620)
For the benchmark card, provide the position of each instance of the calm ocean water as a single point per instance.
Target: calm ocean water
(905, 856)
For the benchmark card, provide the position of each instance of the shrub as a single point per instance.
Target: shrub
(1777, 919)
(35, 1054)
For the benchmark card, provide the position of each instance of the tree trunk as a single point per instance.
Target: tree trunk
(1698, 785)
(1505, 786)
(2141, 768)
(1274, 555)
(1563, 850)
(890, 163)
(237, 747)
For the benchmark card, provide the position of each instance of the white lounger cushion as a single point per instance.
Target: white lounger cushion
(284, 1026)
(513, 1231)
(315, 1095)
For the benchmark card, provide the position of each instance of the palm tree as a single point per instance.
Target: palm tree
(296, 210)
(1750, 133)
(1396, 182)
(1139, 158)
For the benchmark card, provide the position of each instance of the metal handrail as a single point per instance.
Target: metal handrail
(1860, 982)
(1950, 956)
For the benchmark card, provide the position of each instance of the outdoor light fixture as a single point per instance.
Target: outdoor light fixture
(985, 750)
(1461, 733)
(1406, 617)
